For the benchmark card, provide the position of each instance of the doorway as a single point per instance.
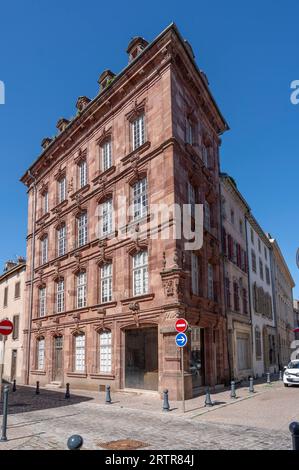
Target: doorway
(13, 372)
(197, 359)
(141, 358)
(58, 348)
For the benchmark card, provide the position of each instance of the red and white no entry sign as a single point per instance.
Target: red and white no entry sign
(181, 325)
(6, 327)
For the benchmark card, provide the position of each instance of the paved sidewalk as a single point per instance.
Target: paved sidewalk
(253, 421)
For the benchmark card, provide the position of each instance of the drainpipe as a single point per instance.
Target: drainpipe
(249, 296)
(27, 372)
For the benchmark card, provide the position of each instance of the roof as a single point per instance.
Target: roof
(15, 269)
(233, 185)
(171, 27)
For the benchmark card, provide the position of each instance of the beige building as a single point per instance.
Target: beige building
(283, 303)
(12, 283)
(234, 208)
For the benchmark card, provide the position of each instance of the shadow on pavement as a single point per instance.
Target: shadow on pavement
(24, 399)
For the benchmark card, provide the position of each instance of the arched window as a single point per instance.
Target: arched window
(258, 343)
(79, 350)
(42, 301)
(105, 352)
(40, 354)
(82, 229)
(140, 273)
(60, 296)
(61, 240)
(81, 289)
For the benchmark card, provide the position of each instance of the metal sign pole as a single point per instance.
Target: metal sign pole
(2, 365)
(183, 379)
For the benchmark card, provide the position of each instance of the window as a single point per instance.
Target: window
(140, 273)
(105, 361)
(5, 299)
(44, 250)
(258, 343)
(227, 292)
(210, 282)
(81, 290)
(106, 217)
(82, 229)
(267, 275)
(40, 357)
(259, 244)
(253, 261)
(42, 301)
(191, 198)
(15, 331)
(62, 189)
(252, 236)
(194, 273)
(82, 173)
(245, 303)
(138, 132)
(60, 296)
(236, 297)
(80, 353)
(205, 155)
(106, 282)
(232, 216)
(45, 202)
(17, 290)
(140, 198)
(189, 132)
(207, 216)
(241, 227)
(261, 269)
(61, 240)
(106, 155)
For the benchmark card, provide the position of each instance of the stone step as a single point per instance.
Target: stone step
(53, 385)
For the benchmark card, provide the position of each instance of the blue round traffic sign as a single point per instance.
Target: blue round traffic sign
(181, 340)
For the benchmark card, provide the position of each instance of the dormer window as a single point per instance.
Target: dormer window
(135, 47)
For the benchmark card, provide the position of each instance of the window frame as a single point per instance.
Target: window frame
(142, 271)
(138, 132)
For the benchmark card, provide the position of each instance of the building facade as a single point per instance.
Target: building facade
(234, 208)
(103, 289)
(261, 299)
(283, 304)
(12, 287)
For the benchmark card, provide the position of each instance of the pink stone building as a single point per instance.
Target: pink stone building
(102, 295)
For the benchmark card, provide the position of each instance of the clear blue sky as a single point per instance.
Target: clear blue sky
(53, 51)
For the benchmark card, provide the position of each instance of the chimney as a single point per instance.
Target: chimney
(46, 142)
(62, 123)
(105, 79)
(135, 47)
(82, 102)
(9, 265)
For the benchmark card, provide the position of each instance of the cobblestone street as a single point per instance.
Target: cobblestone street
(258, 421)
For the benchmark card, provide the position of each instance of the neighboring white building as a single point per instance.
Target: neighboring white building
(233, 210)
(12, 285)
(283, 304)
(261, 299)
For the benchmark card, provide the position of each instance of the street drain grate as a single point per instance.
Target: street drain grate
(122, 444)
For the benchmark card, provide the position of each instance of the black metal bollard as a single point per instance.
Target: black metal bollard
(233, 390)
(208, 401)
(37, 388)
(14, 386)
(166, 406)
(251, 387)
(108, 395)
(75, 442)
(268, 378)
(5, 412)
(280, 375)
(67, 391)
(294, 429)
